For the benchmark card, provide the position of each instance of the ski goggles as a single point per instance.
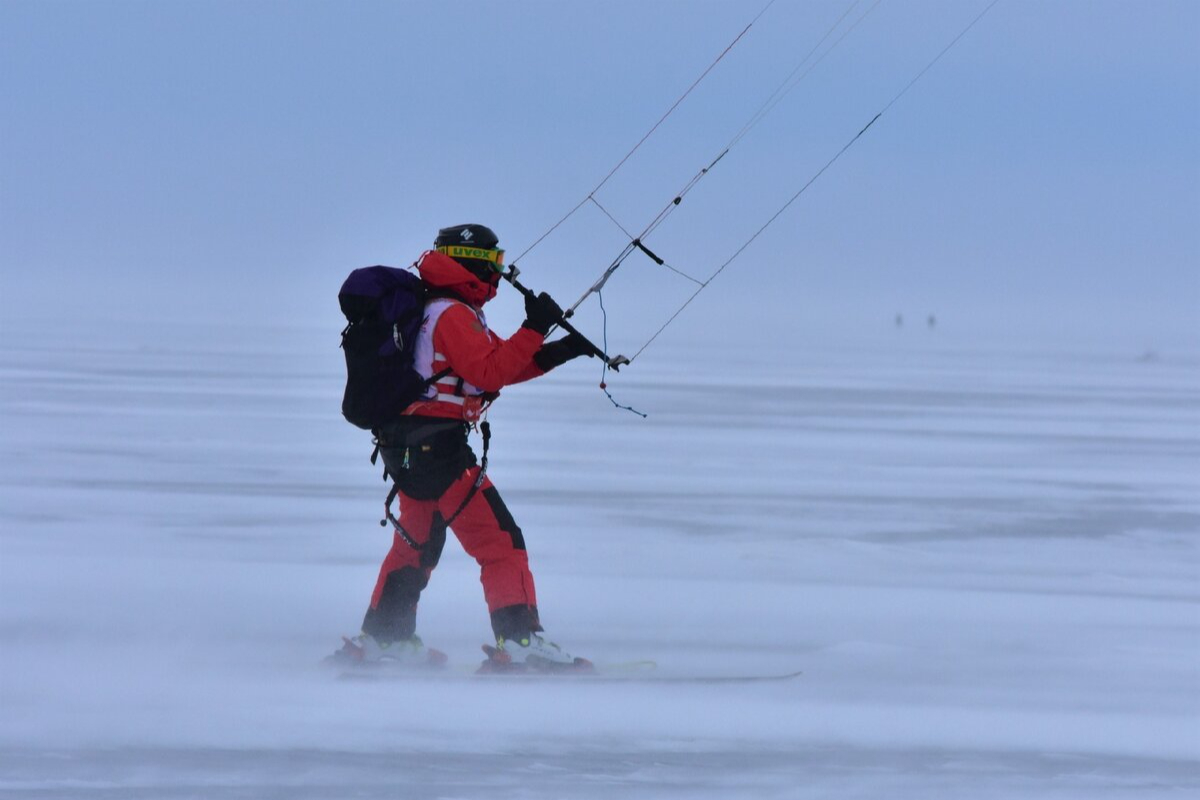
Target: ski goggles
(494, 258)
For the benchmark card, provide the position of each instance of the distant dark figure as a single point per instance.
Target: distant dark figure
(932, 322)
(899, 320)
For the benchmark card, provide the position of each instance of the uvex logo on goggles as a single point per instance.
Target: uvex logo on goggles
(461, 251)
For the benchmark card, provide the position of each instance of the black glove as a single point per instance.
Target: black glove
(541, 313)
(555, 354)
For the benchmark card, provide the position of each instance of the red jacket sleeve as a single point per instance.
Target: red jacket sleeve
(479, 356)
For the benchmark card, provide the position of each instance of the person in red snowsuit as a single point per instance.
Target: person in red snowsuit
(427, 454)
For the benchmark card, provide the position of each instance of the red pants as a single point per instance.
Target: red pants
(487, 532)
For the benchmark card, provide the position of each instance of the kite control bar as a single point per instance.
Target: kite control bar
(614, 362)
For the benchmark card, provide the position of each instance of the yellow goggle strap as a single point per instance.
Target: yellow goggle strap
(494, 257)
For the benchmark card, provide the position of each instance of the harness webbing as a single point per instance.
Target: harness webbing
(485, 429)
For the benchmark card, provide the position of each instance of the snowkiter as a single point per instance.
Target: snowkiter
(427, 454)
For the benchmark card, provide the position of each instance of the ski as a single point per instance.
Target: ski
(635, 672)
(349, 665)
(350, 658)
(603, 675)
(498, 662)
(379, 676)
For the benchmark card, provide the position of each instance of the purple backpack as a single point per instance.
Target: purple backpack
(385, 307)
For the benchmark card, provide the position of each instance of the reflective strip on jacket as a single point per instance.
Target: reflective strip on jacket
(455, 336)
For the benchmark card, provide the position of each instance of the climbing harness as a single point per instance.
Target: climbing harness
(485, 430)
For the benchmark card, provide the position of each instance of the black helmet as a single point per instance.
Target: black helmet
(467, 236)
(473, 246)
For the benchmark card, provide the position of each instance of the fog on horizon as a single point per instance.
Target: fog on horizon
(219, 160)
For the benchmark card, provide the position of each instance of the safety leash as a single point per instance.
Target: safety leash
(604, 371)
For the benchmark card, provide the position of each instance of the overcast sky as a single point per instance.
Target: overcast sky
(233, 160)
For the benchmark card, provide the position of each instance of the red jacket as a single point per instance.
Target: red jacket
(460, 340)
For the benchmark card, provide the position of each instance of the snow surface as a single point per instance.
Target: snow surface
(984, 560)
